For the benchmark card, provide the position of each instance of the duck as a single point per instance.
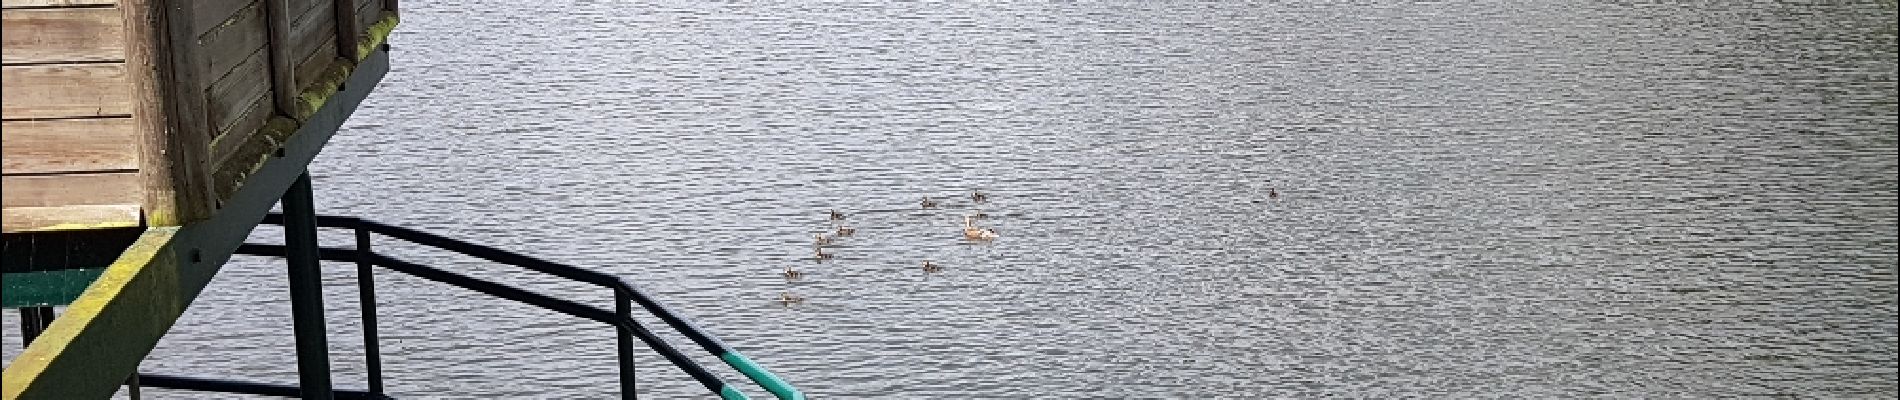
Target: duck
(928, 203)
(789, 298)
(821, 255)
(792, 274)
(931, 267)
(821, 239)
(837, 216)
(846, 230)
(979, 197)
(1273, 194)
(971, 231)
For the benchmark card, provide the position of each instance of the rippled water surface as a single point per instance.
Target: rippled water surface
(1506, 199)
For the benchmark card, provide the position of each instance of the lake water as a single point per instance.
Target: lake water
(1475, 199)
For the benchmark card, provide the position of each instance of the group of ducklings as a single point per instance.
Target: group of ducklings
(971, 231)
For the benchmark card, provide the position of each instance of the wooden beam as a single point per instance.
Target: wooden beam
(99, 341)
(283, 64)
(347, 28)
(54, 3)
(169, 114)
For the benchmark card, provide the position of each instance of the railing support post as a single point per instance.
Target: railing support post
(33, 321)
(624, 309)
(306, 290)
(366, 284)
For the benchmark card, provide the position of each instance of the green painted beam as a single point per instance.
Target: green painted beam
(45, 288)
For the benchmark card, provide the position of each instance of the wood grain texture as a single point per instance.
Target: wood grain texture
(310, 70)
(206, 15)
(247, 125)
(63, 91)
(69, 189)
(368, 12)
(222, 49)
(92, 216)
(175, 180)
(54, 3)
(47, 35)
(228, 97)
(314, 31)
(69, 145)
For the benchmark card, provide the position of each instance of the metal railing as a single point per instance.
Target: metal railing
(621, 317)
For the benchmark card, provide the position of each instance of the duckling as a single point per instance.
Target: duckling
(931, 267)
(837, 216)
(971, 231)
(821, 255)
(793, 274)
(1273, 194)
(821, 239)
(928, 203)
(979, 214)
(846, 230)
(788, 298)
(978, 197)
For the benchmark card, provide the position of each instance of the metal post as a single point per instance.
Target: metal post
(33, 321)
(132, 386)
(624, 310)
(306, 290)
(366, 284)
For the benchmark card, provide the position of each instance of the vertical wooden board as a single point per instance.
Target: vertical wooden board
(315, 31)
(227, 46)
(69, 189)
(69, 145)
(211, 14)
(229, 96)
(64, 91)
(44, 35)
(367, 13)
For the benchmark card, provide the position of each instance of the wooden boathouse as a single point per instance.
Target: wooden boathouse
(146, 139)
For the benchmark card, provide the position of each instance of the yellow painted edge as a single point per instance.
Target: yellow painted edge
(100, 339)
(71, 218)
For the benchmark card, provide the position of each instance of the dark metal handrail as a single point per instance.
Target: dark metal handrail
(620, 318)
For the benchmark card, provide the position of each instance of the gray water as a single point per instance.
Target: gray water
(1507, 199)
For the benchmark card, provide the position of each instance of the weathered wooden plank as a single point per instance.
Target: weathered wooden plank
(247, 125)
(311, 68)
(228, 97)
(315, 31)
(55, 3)
(225, 47)
(175, 181)
(64, 91)
(69, 145)
(103, 335)
(205, 15)
(63, 218)
(368, 12)
(283, 65)
(47, 35)
(300, 9)
(69, 189)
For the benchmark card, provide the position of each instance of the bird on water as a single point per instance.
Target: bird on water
(971, 231)
(789, 298)
(837, 216)
(928, 203)
(930, 267)
(979, 197)
(792, 274)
